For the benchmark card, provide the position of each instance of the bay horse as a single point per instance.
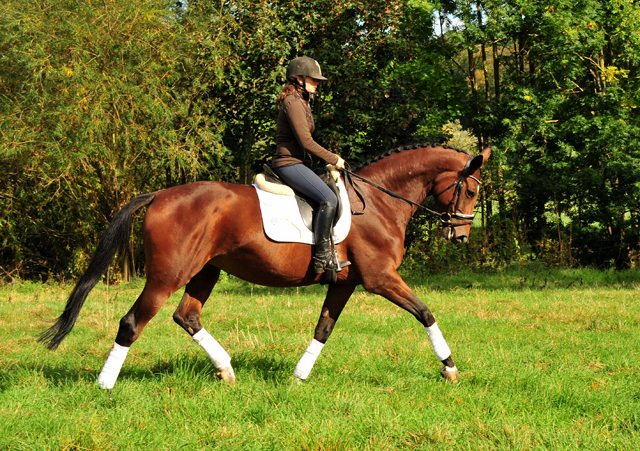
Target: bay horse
(192, 232)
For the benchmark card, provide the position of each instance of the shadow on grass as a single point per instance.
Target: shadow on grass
(260, 367)
(267, 368)
(272, 369)
(56, 375)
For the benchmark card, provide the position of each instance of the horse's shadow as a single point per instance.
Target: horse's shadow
(269, 369)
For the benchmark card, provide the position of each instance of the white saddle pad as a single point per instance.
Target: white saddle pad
(282, 221)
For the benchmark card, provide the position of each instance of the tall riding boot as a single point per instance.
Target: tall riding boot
(323, 259)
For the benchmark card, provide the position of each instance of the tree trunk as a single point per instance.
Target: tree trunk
(487, 84)
(483, 52)
(472, 75)
(496, 73)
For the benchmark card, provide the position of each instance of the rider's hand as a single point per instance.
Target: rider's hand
(340, 163)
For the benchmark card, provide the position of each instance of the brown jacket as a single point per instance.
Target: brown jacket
(293, 135)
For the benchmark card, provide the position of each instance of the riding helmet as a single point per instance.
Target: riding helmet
(304, 66)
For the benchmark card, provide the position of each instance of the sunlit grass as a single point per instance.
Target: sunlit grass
(549, 360)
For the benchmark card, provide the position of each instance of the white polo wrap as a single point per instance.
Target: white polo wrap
(304, 366)
(440, 346)
(113, 365)
(216, 353)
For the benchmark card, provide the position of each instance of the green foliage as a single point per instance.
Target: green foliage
(459, 138)
(102, 101)
(363, 108)
(553, 87)
(90, 118)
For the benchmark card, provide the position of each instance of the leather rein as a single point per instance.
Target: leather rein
(446, 217)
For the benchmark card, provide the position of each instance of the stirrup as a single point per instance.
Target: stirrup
(330, 276)
(321, 265)
(331, 263)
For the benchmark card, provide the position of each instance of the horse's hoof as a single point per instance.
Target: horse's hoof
(450, 374)
(227, 375)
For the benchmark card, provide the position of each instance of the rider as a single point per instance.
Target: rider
(296, 149)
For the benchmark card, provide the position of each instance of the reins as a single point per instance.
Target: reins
(445, 217)
(384, 190)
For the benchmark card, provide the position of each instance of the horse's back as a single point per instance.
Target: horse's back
(198, 220)
(192, 207)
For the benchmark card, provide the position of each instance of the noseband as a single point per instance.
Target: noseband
(446, 217)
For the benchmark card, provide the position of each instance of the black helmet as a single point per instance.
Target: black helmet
(304, 66)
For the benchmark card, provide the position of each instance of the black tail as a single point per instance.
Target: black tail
(113, 239)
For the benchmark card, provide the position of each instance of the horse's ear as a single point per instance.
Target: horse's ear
(477, 161)
(486, 153)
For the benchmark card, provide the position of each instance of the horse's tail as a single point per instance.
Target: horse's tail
(114, 238)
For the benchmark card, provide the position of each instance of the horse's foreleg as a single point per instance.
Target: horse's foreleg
(394, 289)
(187, 316)
(337, 297)
(131, 325)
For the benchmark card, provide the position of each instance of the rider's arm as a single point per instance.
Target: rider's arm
(297, 116)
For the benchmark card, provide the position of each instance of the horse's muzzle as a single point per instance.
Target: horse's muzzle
(452, 234)
(459, 239)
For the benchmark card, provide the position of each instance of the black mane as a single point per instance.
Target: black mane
(402, 149)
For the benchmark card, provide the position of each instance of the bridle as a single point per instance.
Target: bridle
(452, 211)
(447, 217)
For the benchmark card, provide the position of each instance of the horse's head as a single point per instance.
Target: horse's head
(456, 197)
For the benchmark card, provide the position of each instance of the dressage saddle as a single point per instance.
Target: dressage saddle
(306, 205)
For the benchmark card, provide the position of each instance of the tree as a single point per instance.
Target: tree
(364, 108)
(90, 116)
(563, 113)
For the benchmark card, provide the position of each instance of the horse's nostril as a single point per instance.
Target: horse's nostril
(461, 239)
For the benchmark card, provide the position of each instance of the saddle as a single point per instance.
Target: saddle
(282, 223)
(269, 181)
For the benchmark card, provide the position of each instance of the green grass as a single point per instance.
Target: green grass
(549, 359)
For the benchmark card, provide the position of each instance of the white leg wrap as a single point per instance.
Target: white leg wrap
(216, 353)
(304, 366)
(440, 346)
(113, 365)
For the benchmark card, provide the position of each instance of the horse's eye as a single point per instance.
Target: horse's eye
(471, 193)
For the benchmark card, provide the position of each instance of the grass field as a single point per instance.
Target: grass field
(549, 359)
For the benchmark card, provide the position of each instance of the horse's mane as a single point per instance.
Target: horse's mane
(402, 149)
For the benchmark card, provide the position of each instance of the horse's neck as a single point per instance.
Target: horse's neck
(412, 173)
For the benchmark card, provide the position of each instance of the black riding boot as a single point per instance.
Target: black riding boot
(324, 260)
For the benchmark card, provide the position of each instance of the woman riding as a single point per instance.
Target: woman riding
(296, 149)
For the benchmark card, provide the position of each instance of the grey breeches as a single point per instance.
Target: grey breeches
(306, 182)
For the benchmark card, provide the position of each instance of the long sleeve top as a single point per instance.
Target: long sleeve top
(293, 135)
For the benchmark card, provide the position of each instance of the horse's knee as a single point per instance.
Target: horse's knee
(325, 327)
(128, 330)
(189, 322)
(322, 332)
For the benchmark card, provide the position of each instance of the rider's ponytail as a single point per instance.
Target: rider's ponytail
(289, 89)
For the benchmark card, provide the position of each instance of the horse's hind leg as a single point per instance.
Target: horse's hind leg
(337, 297)
(187, 316)
(143, 310)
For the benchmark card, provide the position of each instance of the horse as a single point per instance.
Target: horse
(192, 232)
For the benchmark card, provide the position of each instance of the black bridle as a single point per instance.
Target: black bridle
(446, 217)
